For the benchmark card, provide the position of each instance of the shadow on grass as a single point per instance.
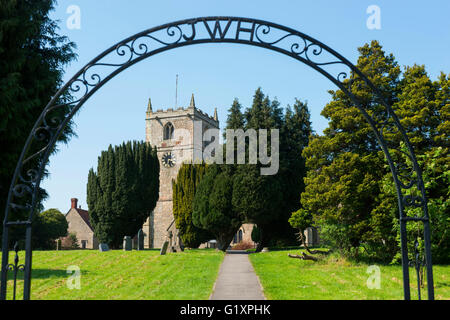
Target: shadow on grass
(440, 284)
(46, 274)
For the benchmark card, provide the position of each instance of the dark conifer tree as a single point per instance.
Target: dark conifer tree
(188, 178)
(123, 191)
(213, 209)
(235, 119)
(32, 57)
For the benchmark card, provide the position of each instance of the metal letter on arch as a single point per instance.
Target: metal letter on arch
(23, 192)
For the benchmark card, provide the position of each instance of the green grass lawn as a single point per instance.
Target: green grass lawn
(121, 274)
(284, 278)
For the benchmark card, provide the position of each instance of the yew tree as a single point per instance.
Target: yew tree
(123, 191)
(32, 59)
(184, 187)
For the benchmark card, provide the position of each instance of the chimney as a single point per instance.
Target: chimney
(74, 203)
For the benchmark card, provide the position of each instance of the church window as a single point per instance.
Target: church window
(168, 131)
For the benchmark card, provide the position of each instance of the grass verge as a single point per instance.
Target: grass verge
(284, 278)
(122, 275)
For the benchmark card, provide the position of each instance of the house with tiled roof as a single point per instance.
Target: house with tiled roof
(79, 224)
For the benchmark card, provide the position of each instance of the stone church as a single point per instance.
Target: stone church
(172, 132)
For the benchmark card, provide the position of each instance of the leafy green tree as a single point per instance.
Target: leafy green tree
(349, 187)
(70, 242)
(32, 58)
(436, 177)
(49, 226)
(123, 191)
(184, 187)
(301, 220)
(213, 209)
(346, 164)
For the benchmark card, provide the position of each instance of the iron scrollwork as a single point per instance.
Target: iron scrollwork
(418, 263)
(385, 124)
(15, 268)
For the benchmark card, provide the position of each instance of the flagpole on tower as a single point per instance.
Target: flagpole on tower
(176, 92)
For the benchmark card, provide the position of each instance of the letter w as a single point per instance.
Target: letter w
(217, 27)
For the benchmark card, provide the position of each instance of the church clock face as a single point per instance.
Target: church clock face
(168, 159)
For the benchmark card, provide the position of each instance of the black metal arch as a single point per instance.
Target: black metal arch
(23, 193)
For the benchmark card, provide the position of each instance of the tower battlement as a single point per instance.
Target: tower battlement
(182, 111)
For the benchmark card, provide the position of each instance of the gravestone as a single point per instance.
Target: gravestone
(164, 248)
(140, 240)
(170, 236)
(265, 249)
(58, 244)
(103, 247)
(127, 244)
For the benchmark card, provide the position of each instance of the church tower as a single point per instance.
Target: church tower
(172, 132)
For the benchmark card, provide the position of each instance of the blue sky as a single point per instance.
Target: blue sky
(414, 31)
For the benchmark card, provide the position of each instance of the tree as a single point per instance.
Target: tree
(256, 234)
(257, 198)
(294, 127)
(123, 191)
(213, 209)
(184, 187)
(32, 57)
(348, 185)
(235, 118)
(301, 220)
(346, 164)
(70, 242)
(49, 226)
(260, 199)
(294, 137)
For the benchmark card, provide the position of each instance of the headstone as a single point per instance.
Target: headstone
(127, 244)
(265, 249)
(170, 236)
(164, 248)
(58, 244)
(140, 240)
(103, 247)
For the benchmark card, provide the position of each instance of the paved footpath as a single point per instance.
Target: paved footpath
(237, 279)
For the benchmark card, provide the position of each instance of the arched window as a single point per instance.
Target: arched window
(240, 235)
(168, 131)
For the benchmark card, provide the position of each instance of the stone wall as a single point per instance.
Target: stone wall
(182, 147)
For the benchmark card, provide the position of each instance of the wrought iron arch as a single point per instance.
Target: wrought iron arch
(22, 197)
